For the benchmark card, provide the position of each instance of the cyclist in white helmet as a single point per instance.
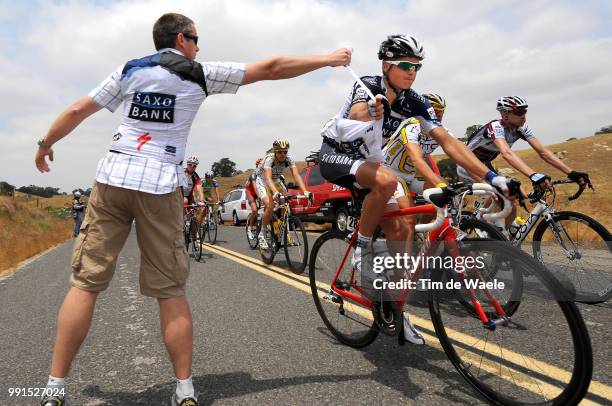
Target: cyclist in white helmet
(192, 182)
(498, 136)
(351, 152)
(268, 184)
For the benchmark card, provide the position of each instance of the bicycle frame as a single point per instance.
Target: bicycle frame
(541, 209)
(441, 230)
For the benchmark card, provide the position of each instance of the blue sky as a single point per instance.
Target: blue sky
(556, 54)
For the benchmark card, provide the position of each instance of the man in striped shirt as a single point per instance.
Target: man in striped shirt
(140, 177)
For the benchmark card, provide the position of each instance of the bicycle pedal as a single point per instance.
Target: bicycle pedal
(333, 297)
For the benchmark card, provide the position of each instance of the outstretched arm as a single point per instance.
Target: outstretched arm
(548, 156)
(67, 121)
(416, 156)
(285, 67)
(459, 153)
(513, 159)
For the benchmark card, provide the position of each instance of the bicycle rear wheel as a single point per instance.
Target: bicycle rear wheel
(579, 248)
(542, 355)
(212, 228)
(295, 243)
(349, 321)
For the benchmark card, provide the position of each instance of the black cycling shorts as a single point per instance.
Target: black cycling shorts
(336, 165)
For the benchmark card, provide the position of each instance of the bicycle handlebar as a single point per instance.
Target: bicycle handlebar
(537, 194)
(440, 198)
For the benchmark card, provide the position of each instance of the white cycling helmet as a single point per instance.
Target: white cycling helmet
(400, 46)
(280, 144)
(511, 103)
(77, 194)
(193, 160)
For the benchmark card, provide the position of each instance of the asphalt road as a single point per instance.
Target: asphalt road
(258, 340)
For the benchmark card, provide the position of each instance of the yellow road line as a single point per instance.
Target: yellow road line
(537, 386)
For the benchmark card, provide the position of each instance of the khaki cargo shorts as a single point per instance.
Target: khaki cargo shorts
(164, 264)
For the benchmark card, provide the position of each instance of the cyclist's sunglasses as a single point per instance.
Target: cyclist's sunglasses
(519, 113)
(194, 38)
(192, 165)
(407, 66)
(282, 151)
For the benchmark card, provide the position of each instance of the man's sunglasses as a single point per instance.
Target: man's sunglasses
(407, 66)
(281, 152)
(192, 165)
(194, 38)
(519, 113)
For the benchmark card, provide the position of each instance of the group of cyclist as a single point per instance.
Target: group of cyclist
(381, 143)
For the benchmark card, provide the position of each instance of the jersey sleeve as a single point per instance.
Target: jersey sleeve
(411, 104)
(409, 134)
(108, 93)
(223, 77)
(267, 163)
(526, 133)
(495, 131)
(359, 94)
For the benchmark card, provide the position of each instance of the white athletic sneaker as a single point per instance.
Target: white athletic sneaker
(410, 333)
(262, 241)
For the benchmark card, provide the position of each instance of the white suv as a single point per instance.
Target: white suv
(234, 207)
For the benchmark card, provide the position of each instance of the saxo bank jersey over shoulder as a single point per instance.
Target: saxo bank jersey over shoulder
(161, 95)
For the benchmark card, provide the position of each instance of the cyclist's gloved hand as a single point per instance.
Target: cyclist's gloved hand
(581, 178)
(540, 180)
(376, 107)
(515, 190)
(500, 182)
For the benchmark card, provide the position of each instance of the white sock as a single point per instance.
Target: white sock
(184, 389)
(363, 241)
(55, 383)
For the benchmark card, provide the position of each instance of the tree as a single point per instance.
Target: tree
(448, 169)
(39, 190)
(604, 130)
(225, 167)
(471, 129)
(6, 189)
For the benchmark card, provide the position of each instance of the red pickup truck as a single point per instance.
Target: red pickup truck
(330, 202)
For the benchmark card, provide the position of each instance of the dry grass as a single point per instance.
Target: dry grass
(26, 230)
(582, 154)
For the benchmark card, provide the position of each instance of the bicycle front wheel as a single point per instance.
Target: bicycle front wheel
(475, 228)
(196, 240)
(212, 228)
(295, 243)
(348, 320)
(253, 242)
(576, 247)
(541, 355)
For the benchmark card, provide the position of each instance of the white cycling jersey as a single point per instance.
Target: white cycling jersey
(364, 140)
(277, 167)
(482, 144)
(396, 155)
(162, 94)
